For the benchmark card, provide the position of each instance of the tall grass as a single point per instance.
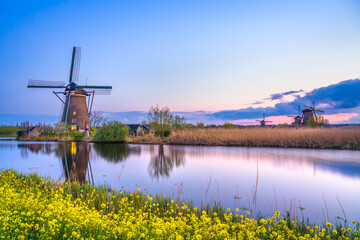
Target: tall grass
(333, 138)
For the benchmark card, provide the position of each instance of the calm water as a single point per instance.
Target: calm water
(286, 179)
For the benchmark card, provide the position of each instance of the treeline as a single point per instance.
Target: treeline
(8, 131)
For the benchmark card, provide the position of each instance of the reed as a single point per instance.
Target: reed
(327, 138)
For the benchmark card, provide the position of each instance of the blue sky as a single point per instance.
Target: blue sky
(210, 56)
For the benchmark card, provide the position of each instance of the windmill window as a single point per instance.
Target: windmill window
(73, 120)
(74, 103)
(74, 112)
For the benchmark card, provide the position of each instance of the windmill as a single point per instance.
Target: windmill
(297, 118)
(76, 112)
(263, 122)
(310, 112)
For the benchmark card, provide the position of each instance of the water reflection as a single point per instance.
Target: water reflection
(162, 163)
(113, 152)
(210, 173)
(44, 148)
(75, 161)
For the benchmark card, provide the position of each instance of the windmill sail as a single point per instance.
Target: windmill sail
(75, 111)
(75, 64)
(45, 84)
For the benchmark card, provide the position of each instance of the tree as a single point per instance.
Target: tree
(97, 119)
(61, 128)
(178, 122)
(160, 119)
(200, 125)
(47, 129)
(113, 131)
(316, 121)
(228, 125)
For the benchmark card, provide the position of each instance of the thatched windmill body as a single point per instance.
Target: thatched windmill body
(263, 121)
(76, 110)
(310, 112)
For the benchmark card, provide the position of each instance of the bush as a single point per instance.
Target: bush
(228, 125)
(77, 136)
(112, 132)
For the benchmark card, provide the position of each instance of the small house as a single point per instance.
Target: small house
(30, 132)
(139, 129)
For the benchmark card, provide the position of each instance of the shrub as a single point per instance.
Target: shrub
(61, 128)
(112, 132)
(77, 136)
(228, 125)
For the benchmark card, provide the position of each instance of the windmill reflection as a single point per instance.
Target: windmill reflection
(162, 162)
(75, 161)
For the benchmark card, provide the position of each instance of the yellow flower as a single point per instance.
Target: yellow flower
(328, 224)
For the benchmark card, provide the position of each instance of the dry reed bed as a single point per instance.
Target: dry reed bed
(335, 138)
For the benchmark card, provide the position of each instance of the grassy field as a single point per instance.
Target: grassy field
(35, 208)
(329, 138)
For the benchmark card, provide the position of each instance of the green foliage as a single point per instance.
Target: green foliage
(8, 131)
(228, 125)
(160, 119)
(93, 129)
(77, 136)
(200, 125)
(178, 122)
(283, 125)
(316, 121)
(113, 131)
(47, 130)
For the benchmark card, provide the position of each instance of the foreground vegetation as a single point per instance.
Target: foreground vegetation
(323, 138)
(36, 208)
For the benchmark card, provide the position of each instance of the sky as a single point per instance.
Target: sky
(212, 61)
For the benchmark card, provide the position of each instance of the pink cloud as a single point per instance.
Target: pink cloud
(340, 117)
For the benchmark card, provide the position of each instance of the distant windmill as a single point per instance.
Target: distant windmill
(75, 112)
(263, 122)
(297, 118)
(310, 112)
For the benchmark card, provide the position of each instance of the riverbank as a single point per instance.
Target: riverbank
(315, 138)
(343, 138)
(32, 207)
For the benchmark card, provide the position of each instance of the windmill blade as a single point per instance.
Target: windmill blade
(45, 84)
(97, 90)
(267, 121)
(95, 87)
(66, 109)
(317, 110)
(313, 99)
(75, 65)
(309, 108)
(292, 115)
